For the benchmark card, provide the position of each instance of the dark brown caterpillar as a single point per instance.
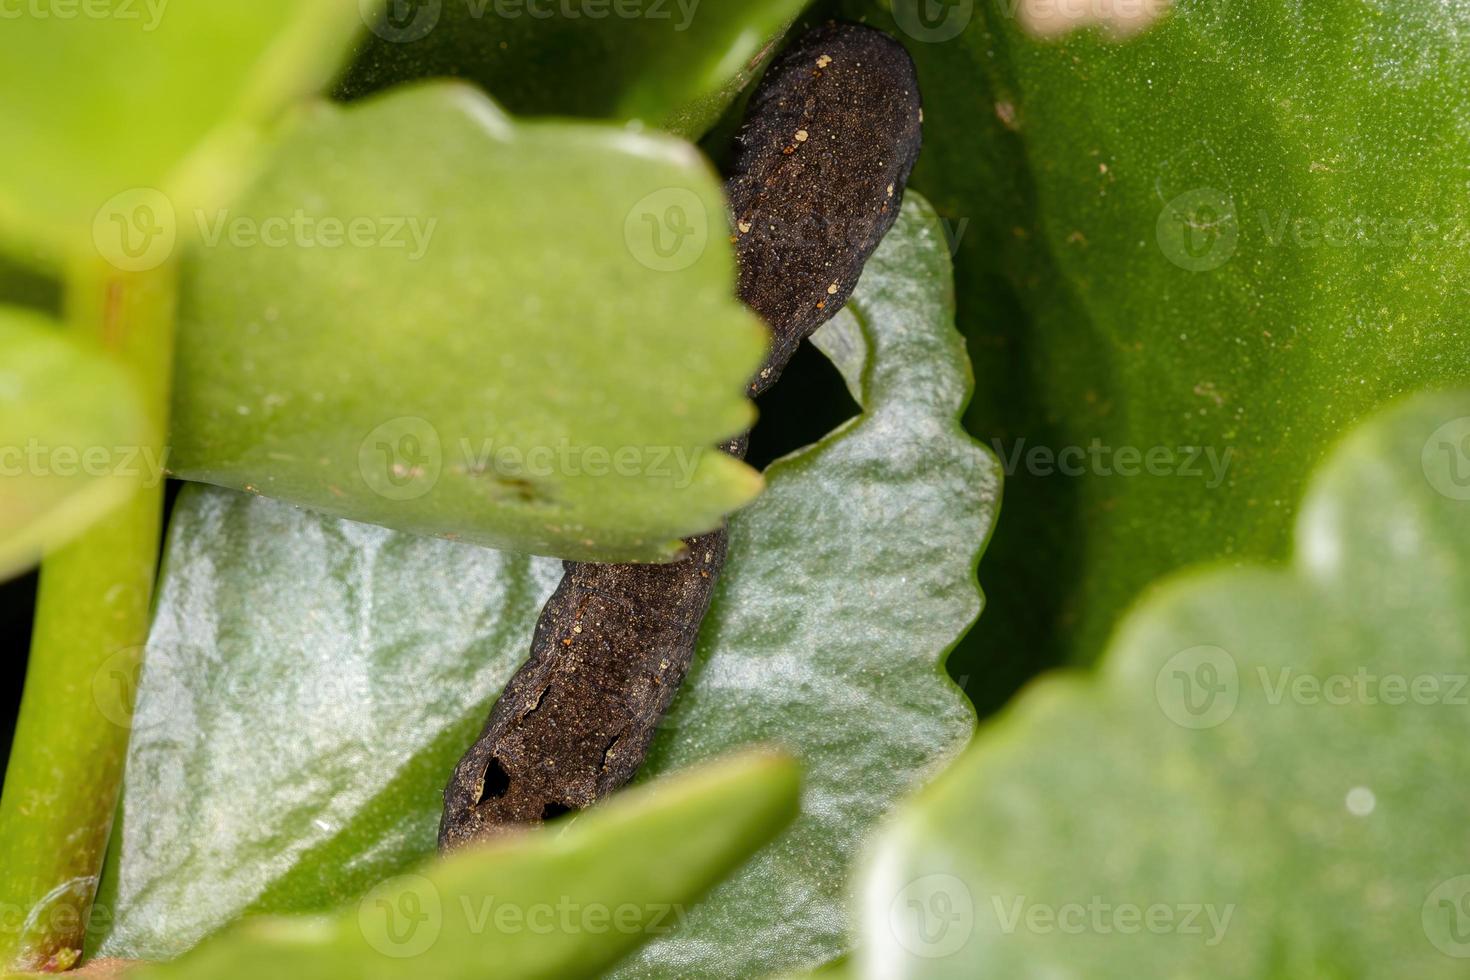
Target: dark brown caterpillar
(819, 173)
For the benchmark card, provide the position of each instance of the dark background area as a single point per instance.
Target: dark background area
(808, 402)
(18, 287)
(17, 597)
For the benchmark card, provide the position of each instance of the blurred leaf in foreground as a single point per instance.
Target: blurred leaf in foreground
(1260, 783)
(72, 437)
(108, 97)
(433, 318)
(561, 901)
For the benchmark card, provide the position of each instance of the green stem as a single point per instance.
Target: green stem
(92, 615)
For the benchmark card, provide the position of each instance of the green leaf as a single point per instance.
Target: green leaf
(1078, 172)
(112, 96)
(501, 356)
(673, 64)
(321, 676)
(1254, 786)
(311, 683)
(71, 428)
(563, 901)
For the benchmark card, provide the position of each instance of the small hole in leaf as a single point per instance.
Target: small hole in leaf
(553, 810)
(496, 782)
(809, 401)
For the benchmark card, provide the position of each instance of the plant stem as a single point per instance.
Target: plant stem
(92, 615)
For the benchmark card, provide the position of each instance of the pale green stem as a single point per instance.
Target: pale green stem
(92, 614)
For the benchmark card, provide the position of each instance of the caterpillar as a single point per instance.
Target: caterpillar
(817, 179)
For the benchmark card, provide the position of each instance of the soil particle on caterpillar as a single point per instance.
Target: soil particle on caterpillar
(614, 642)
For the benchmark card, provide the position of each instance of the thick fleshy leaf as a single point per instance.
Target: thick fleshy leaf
(307, 688)
(429, 317)
(311, 683)
(1219, 241)
(110, 97)
(1261, 782)
(564, 901)
(72, 432)
(673, 64)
